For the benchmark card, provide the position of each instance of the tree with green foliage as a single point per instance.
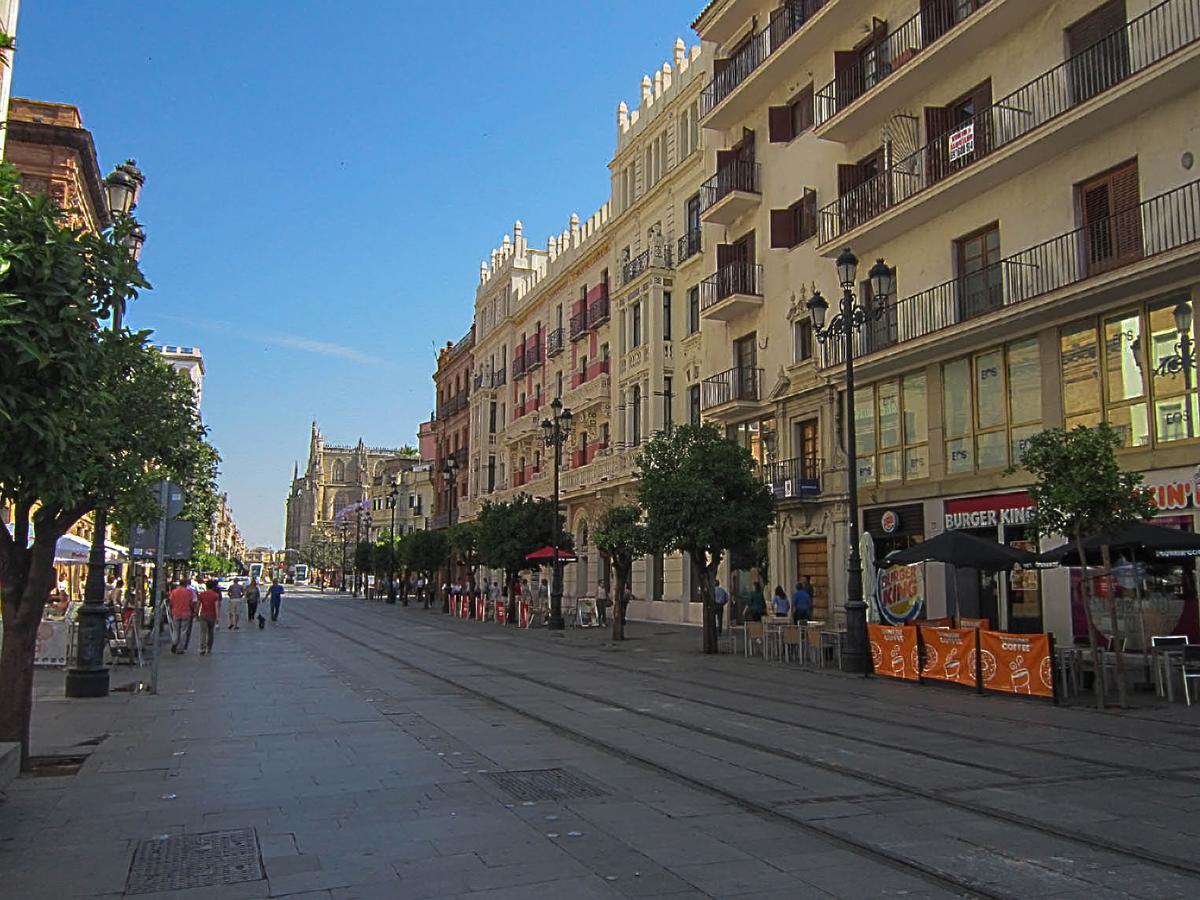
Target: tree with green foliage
(424, 552)
(510, 530)
(321, 551)
(702, 496)
(1080, 490)
(622, 535)
(464, 547)
(88, 417)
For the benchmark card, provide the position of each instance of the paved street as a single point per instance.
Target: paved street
(362, 750)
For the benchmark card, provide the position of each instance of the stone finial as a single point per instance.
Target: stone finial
(666, 76)
(483, 269)
(622, 115)
(506, 245)
(646, 89)
(518, 228)
(680, 52)
(658, 84)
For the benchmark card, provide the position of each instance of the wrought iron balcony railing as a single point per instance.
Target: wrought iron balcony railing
(658, 256)
(489, 379)
(598, 312)
(1163, 223)
(736, 175)
(554, 342)
(737, 384)
(1151, 37)
(579, 324)
(785, 21)
(455, 404)
(732, 278)
(796, 477)
(689, 245)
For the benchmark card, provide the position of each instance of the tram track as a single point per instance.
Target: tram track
(1172, 864)
(805, 702)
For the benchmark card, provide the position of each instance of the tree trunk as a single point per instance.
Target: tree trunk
(1097, 668)
(709, 618)
(1114, 622)
(29, 578)
(622, 574)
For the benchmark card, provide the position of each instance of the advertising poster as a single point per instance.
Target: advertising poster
(51, 647)
(1017, 663)
(949, 654)
(962, 142)
(900, 594)
(501, 613)
(894, 651)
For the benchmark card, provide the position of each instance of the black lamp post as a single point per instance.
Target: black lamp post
(345, 540)
(449, 474)
(88, 677)
(851, 318)
(1182, 360)
(392, 495)
(555, 432)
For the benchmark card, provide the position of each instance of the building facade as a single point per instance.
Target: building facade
(9, 10)
(190, 361)
(225, 538)
(452, 381)
(337, 478)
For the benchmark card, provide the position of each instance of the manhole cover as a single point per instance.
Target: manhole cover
(544, 784)
(180, 861)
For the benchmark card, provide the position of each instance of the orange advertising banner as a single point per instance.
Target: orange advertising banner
(968, 622)
(1017, 663)
(950, 654)
(894, 650)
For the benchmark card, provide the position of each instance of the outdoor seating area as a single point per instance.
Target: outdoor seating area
(812, 643)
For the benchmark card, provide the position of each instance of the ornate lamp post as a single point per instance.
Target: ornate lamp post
(449, 474)
(556, 431)
(88, 677)
(393, 494)
(1183, 360)
(850, 319)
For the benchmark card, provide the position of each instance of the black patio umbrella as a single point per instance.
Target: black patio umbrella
(958, 548)
(1139, 540)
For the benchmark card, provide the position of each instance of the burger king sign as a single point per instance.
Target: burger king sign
(900, 594)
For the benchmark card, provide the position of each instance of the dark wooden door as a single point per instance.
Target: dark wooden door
(1112, 222)
(1098, 45)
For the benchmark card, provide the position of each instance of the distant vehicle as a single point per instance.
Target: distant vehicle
(300, 574)
(256, 571)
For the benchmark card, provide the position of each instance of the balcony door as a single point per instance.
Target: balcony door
(958, 133)
(1098, 45)
(808, 448)
(862, 193)
(1112, 219)
(980, 286)
(745, 367)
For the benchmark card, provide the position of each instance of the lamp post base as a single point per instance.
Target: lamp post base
(855, 655)
(556, 622)
(87, 683)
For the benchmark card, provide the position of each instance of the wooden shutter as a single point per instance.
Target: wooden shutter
(1095, 26)
(1126, 197)
(779, 124)
(783, 228)
(981, 99)
(724, 255)
(847, 84)
(808, 215)
(937, 150)
(802, 111)
(849, 177)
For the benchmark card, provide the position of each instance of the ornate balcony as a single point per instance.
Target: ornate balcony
(1029, 126)
(658, 257)
(588, 393)
(579, 324)
(518, 362)
(489, 380)
(733, 290)
(598, 311)
(607, 465)
(733, 391)
(554, 342)
(690, 246)
(533, 352)
(731, 193)
(1160, 225)
(455, 404)
(796, 478)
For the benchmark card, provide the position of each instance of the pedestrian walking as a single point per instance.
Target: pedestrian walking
(780, 605)
(183, 609)
(237, 594)
(756, 604)
(720, 601)
(275, 595)
(210, 610)
(601, 604)
(801, 602)
(252, 598)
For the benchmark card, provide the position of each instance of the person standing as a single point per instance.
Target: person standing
(720, 601)
(780, 605)
(801, 602)
(275, 595)
(183, 609)
(601, 604)
(210, 609)
(237, 594)
(756, 604)
(252, 598)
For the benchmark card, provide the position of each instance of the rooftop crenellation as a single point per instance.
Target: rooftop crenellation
(666, 81)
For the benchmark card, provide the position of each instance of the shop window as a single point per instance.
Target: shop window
(915, 396)
(991, 442)
(1144, 359)
(992, 405)
(888, 396)
(864, 433)
(956, 416)
(892, 430)
(1024, 395)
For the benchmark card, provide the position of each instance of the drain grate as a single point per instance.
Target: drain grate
(177, 862)
(544, 784)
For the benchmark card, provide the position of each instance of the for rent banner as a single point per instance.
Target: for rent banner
(1017, 663)
(950, 654)
(894, 651)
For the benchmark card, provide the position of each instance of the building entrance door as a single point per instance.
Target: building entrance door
(812, 563)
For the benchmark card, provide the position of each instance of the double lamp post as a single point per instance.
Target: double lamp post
(450, 476)
(853, 317)
(556, 430)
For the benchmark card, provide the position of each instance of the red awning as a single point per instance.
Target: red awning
(547, 553)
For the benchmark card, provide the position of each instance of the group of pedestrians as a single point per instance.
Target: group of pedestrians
(188, 604)
(797, 607)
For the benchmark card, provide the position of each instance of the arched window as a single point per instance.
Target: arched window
(339, 471)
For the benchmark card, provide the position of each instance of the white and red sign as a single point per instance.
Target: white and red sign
(1174, 488)
(989, 511)
(962, 142)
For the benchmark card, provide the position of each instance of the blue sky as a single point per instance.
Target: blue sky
(324, 179)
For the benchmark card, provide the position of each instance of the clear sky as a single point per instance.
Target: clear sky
(323, 180)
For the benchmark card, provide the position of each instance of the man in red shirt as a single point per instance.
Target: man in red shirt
(183, 600)
(210, 608)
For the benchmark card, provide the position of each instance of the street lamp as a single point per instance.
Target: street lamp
(393, 494)
(449, 474)
(345, 540)
(555, 432)
(1182, 360)
(89, 676)
(362, 520)
(850, 319)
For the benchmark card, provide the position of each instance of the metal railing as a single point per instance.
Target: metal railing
(896, 49)
(598, 312)
(658, 256)
(518, 362)
(796, 477)
(455, 404)
(1158, 225)
(579, 324)
(554, 342)
(785, 21)
(689, 245)
(489, 379)
(737, 384)
(1150, 38)
(732, 278)
(736, 175)
(533, 353)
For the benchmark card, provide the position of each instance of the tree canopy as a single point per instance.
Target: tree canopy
(510, 530)
(702, 496)
(621, 534)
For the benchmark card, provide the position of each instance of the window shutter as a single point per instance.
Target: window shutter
(724, 255)
(802, 111)
(782, 228)
(1128, 220)
(937, 150)
(808, 215)
(779, 124)
(981, 99)
(849, 177)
